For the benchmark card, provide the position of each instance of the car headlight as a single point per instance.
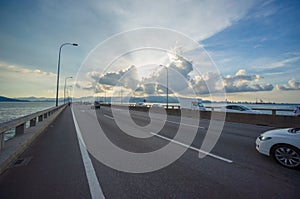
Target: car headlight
(264, 138)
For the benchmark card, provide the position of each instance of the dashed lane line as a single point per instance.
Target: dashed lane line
(193, 148)
(185, 145)
(200, 127)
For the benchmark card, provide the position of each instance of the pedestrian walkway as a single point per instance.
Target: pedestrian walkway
(52, 166)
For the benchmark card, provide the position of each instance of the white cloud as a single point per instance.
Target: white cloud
(278, 64)
(19, 81)
(291, 85)
(25, 71)
(242, 82)
(198, 19)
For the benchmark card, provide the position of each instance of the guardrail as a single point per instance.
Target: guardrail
(20, 123)
(217, 108)
(247, 118)
(274, 111)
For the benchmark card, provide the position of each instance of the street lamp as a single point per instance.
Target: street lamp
(167, 85)
(58, 68)
(68, 92)
(65, 88)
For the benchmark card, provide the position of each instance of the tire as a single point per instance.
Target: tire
(287, 155)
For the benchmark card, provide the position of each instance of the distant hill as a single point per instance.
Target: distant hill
(38, 99)
(6, 99)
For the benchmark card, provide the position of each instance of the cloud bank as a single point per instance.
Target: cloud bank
(291, 85)
(207, 83)
(25, 71)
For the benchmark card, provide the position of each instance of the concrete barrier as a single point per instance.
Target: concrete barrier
(281, 121)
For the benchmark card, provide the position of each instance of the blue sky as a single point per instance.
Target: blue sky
(254, 44)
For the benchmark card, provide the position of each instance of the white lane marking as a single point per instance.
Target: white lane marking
(200, 127)
(95, 189)
(193, 148)
(190, 147)
(108, 117)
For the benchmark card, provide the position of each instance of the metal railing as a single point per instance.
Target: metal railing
(218, 108)
(272, 110)
(20, 123)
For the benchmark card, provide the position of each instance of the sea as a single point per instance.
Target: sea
(13, 110)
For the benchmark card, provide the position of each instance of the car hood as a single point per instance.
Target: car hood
(277, 132)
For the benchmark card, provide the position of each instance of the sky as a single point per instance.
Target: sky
(252, 45)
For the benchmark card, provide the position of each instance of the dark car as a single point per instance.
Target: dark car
(97, 105)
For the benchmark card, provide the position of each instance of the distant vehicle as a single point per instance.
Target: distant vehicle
(190, 103)
(140, 104)
(239, 109)
(297, 111)
(282, 144)
(157, 106)
(96, 105)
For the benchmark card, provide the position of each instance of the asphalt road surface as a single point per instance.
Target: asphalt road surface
(60, 167)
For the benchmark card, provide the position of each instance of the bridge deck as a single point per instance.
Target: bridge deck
(55, 166)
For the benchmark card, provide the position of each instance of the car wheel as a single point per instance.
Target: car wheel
(287, 156)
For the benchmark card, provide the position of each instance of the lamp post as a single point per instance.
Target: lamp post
(70, 87)
(58, 68)
(65, 88)
(167, 85)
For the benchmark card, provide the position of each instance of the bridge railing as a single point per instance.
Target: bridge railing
(19, 124)
(271, 110)
(218, 108)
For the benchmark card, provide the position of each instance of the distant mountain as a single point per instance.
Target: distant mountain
(6, 99)
(38, 99)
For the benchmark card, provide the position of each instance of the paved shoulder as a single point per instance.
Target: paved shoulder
(54, 169)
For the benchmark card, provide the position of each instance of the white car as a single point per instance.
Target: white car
(239, 109)
(157, 106)
(140, 104)
(282, 144)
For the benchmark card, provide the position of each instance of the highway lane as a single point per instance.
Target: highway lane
(249, 175)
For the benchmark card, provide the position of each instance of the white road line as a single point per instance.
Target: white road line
(187, 146)
(193, 148)
(108, 117)
(95, 189)
(200, 127)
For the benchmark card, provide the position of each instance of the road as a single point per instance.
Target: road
(233, 169)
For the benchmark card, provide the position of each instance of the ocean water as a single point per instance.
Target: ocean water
(13, 110)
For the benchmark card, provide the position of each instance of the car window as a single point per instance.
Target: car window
(245, 108)
(200, 105)
(237, 108)
(294, 130)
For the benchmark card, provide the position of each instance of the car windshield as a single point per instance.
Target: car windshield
(200, 105)
(245, 108)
